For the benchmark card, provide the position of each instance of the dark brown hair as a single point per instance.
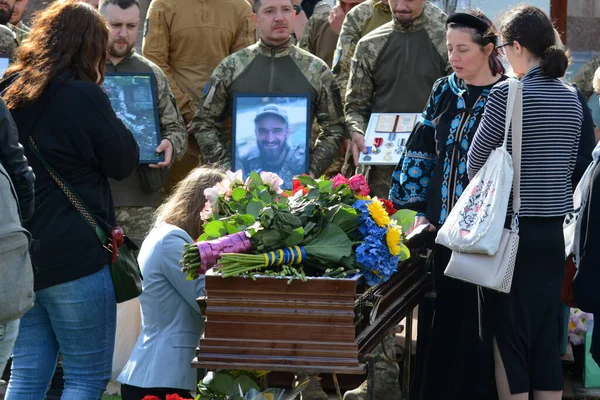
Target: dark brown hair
(69, 34)
(483, 38)
(184, 205)
(532, 29)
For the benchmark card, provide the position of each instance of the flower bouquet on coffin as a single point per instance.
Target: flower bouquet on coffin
(320, 228)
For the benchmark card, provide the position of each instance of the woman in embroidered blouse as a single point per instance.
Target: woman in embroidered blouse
(429, 179)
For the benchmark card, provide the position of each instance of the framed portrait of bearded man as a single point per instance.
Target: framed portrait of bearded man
(271, 133)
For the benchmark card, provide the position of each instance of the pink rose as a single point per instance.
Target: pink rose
(221, 189)
(235, 177)
(339, 180)
(359, 185)
(272, 180)
(207, 212)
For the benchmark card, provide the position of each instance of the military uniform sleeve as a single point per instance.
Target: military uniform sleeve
(155, 48)
(172, 126)
(245, 34)
(331, 119)
(583, 79)
(411, 177)
(208, 121)
(307, 41)
(346, 45)
(359, 97)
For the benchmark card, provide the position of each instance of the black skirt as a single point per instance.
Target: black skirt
(524, 321)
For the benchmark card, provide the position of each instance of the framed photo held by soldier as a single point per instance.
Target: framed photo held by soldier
(385, 145)
(133, 97)
(271, 133)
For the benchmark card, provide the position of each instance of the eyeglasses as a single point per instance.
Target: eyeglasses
(501, 48)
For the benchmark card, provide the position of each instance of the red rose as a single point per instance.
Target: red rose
(297, 186)
(389, 207)
(339, 180)
(359, 185)
(150, 398)
(175, 397)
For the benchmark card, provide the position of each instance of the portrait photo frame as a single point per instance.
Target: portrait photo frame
(271, 133)
(133, 97)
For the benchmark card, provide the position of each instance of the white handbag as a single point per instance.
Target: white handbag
(476, 221)
(496, 271)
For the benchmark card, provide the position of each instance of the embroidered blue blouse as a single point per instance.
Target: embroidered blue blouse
(432, 171)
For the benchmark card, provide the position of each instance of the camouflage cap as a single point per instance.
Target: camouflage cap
(7, 40)
(272, 109)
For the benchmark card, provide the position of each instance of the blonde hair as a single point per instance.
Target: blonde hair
(184, 205)
(596, 81)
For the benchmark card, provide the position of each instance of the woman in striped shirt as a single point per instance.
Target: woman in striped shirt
(525, 323)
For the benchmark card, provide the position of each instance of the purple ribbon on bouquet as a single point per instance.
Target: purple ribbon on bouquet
(211, 250)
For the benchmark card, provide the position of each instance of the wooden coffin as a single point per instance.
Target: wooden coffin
(322, 325)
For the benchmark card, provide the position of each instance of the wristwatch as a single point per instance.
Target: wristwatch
(298, 9)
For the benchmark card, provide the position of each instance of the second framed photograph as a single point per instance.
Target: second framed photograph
(133, 97)
(271, 133)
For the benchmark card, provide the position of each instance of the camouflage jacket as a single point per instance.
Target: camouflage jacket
(318, 38)
(21, 31)
(359, 21)
(583, 79)
(395, 66)
(142, 189)
(263, 69)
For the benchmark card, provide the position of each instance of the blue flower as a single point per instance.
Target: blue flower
(462, 167)
(375, 259)
(424, 181)
(459, 189)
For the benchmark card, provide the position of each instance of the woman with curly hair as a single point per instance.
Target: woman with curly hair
(53, 93)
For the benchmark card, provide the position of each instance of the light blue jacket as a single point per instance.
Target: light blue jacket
(171, 319)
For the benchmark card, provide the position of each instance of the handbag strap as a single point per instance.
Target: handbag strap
(514, 116)
(72, 196)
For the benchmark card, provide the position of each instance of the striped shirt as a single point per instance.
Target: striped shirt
(552, 123)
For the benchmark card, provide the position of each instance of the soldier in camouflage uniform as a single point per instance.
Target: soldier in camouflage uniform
(361, 20)
(16, 24)
(583, 79)
(136, 198)
(273, 65)
(393, 70)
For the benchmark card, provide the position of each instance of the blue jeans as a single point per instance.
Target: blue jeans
(8, 335)
(77, 319)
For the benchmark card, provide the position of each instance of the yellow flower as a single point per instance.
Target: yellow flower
(378, 213)
(393, 239)
(363, 197)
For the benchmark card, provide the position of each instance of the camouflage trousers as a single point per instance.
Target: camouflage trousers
(136, 222)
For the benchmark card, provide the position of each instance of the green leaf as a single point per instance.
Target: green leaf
(326, 186)
(346, 218)
(254, 207)
(223, 383)
(295, 238)
(331, 245)
(271, 239)
(313, 194)
(404, 253)
(202, 238)
(215, 229)
(245, 383)
(256, 179)
(307, 181)
(405, 218)
(238, 194)
(265, 196)
(231, 229)
(245, 219)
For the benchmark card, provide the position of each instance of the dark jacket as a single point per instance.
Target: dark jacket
(15, 163)
(79, 135)
(587, 280)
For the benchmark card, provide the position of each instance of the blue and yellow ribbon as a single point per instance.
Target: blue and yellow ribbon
(287, 256)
